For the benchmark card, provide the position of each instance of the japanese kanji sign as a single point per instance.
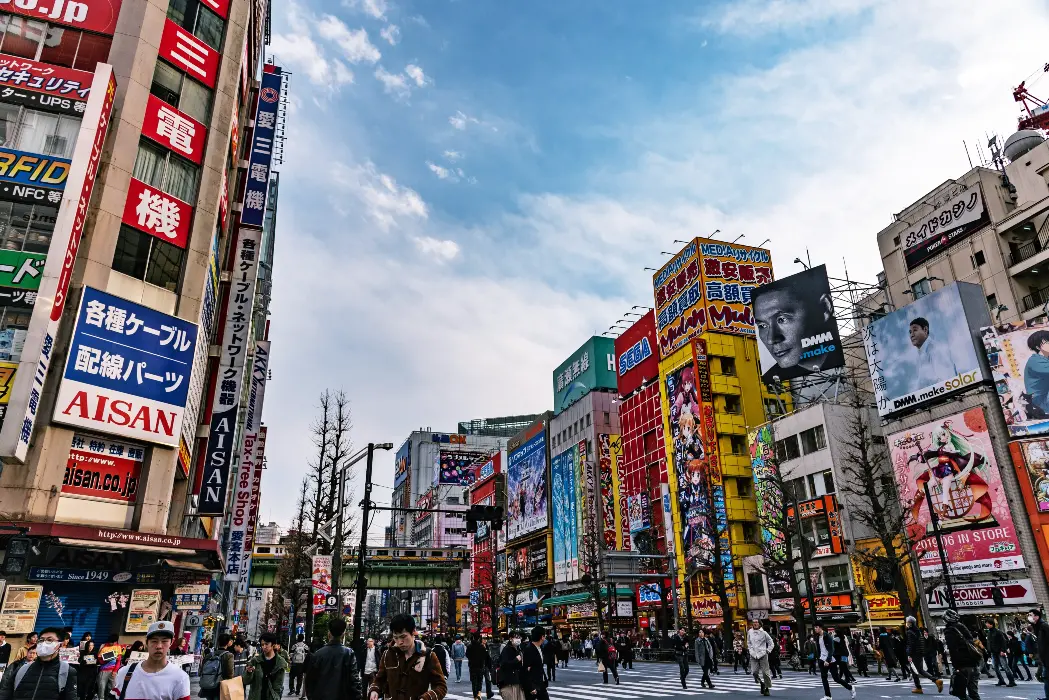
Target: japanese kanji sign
(235, 342)
(156, 213)
(43, 86)
(173, 129)
(127, 372)
(21, 270)
(102, 469)
(261, 156)
(35, 358)
(93, 15)
(193, 56)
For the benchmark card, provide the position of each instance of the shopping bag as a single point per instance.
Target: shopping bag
(232, 689)
(600, 667)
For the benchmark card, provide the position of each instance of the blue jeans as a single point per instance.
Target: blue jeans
(458, 669)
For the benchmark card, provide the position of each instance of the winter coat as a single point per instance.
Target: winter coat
(1041, 630)
(40, 673)
(996, 641)
(333, 673)
(915, 644)
(961, 647)
(511, 663)
(418, 677)
(477, 656)
(261, 686)
(704, 653)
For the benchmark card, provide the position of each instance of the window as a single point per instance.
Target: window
(737, 444)
(828, 482)
(604, 415)
(202, 22)
(63, 46)
(728, 366)
(181, 92)
(992, 302)
(162, 169)
(921, 288)
(26, 226)
(733, 404)
(755, 583)
(896, 240)
(822, 531)
(750, 533)
(743, 488)
(773, 408)
(38, 132)
(148, 258)
(878, 439)
(787, 448)
(813, 440)
(978, 258)
(836, 578)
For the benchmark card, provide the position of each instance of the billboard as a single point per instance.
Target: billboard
(1018, 357)
(44, 86)
(1035, 455)
(707, 287)
(262, 142)
(90, 15)
(927, 350)
(957, 217)
(127, 370)
(102, 469)
(798, 334)
(954, 456)
(457, 468)
(592, 366)
(320, 581)
(638, 514)
(565, 514)
(637, 355)
(402, 463)
(526, 484)
(767, 493)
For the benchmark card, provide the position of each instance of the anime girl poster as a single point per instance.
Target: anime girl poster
(954, 457)
(1036, 457)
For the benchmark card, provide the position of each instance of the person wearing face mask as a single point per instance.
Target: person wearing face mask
(45, 678)
(511, 665)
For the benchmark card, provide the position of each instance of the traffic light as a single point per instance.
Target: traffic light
(15, 555)
(484, 514)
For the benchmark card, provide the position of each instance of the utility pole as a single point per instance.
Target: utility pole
(935, 519)
(361, 580)
(804, 557)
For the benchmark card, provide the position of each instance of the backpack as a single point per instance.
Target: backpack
(211, 672)
(612, 653)
(63, 674)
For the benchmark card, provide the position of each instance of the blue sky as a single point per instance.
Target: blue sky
(472, 187)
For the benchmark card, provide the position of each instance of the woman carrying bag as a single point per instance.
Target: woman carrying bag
(511, 664)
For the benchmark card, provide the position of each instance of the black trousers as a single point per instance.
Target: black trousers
(551, 669)
(971, 678)
(832, 668)
(296, 673)
(919, 671)
(610, 666)
(476, 679)
(1015, 661)
(682, 666)
(705, 681)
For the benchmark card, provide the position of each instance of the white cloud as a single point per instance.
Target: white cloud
(755, 17)
(442, 173)
(386, 202)
(441, 251)
(395, 84)
(416, 73)
(355, 45)
(297, 49)
(460, 120)
(373, 8)
(391, 33)
(453, 155)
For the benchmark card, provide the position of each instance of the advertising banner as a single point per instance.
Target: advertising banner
(20, 168)
(766, 489)
(261, 157)
(402, 463)
(127, 370)
(981, 595)
(171, 128)
(796, 328)
(192, 597)
(956, 217)
(457, 467)
(926, 350)
(649, 594)
(1035, 454)
(526, 485)
(565, 515)
(1018, 356)
(43, 86)
(637, 355)
(103, 469)
(256, 496)
(321, 582)
(691, 465)
(190, 54)
(586, 503)
(21, 270)
(21, 604)
(142, 610)
(234, 348)
(637, 507)
(17, 299)
(151, 211)
(593, 366)
(58, 270)
(90, 15)
(609, 498)
(954, 457)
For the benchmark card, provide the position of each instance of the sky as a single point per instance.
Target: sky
(472, 188)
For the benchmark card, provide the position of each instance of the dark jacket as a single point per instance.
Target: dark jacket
(333, 674)
(534, 675)
(417, 677)
(682, 647)
(43, 674)
(886, 647)
(1041, 631)
(601, 650)
(996, 641)
(915, 644)
(960, 646)
(510, 666)
(477, 658)
(550, 651)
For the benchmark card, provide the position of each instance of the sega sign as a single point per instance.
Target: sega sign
(635, 359)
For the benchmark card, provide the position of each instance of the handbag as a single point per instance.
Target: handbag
(600, 667)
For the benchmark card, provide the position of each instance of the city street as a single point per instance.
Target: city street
(581, 681)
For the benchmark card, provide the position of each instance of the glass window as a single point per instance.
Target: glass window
(738, 444)
(728, 366)
(822, 531)
(167, 83)
(813, 439)
(181, 179)
(733, 404)
(828, 481)
(787, 448)
(755, 583)
(921, 288)
(132, 252)
(836, 578)
(8, 124)
(743, 488)
(209, 28)
(93, 49)
(61, 46)
(149, 164)
(163, 169)
(181, 92)
(35, 130)
(21, 37)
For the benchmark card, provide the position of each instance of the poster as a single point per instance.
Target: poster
(609, 493)
(563, 506)
(767, 493)
(142, 610)
(691, 465)
(954, 457)
(526, 486)
(1036, 460)
(321, 581)
(18, 613)
(103, 469)
(1018, 356)
(637, 507)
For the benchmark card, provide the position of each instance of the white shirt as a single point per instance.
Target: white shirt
(370, 663)
(936, 363)
(169, 683)
(759, 643)
(825, 653)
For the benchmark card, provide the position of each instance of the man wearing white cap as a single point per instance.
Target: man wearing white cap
(154, 678)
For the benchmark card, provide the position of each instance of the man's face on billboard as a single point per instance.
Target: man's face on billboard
(782, 321)
(918, 335)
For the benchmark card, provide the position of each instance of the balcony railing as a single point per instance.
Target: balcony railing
(1024, 252)
(1035, 299)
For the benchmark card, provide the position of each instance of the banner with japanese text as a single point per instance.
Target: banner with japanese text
(261, 157)
(43, 86)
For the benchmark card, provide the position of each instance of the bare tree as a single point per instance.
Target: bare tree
(294, 565)
(590, 546)
(340, 446)
(319, 470)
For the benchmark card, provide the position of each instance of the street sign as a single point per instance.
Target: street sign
(332, 602)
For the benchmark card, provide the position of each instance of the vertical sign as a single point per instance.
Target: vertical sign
(261, 155)
(321, 581)
(51, 298)
(235, 336)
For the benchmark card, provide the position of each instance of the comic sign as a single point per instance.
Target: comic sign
(456, 467)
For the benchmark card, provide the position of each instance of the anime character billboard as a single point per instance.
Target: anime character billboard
(691, 464)
(563, 504)
(1018, 355)
(953, 456)
(526, 487)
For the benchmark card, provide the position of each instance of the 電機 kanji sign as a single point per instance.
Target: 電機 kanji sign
(173, 129)
(127, 372)
(187, 52)
(261, 156)
(152, 211)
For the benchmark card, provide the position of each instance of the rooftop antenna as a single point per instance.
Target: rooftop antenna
(966, 147)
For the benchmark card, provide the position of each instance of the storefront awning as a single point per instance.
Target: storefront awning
(178, 552)
(585, 597)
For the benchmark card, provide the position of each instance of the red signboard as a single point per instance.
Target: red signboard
(44, 78)
(220, 7)
(114, 535)
(91, 15)
(189, 53)
(103, 469)
(170, 127)
(637, 356)
(156, 213)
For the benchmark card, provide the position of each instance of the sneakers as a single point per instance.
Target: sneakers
(854, 693)
(939, 685)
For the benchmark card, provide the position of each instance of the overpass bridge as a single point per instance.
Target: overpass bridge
(404, 568)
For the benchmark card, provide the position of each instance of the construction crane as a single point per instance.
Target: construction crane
(1037, 109)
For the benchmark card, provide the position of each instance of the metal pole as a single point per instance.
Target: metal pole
(804, 558)
(935, 519)
(336, 566)
(673, 589)
(361, 581)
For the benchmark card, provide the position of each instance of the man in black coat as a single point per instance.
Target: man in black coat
(42, 679)
(916, 656)
(682, 652)
(333, 673)
(533, 677)
(964, 654)
(608, 656)
(480, 666)
(998, 645)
